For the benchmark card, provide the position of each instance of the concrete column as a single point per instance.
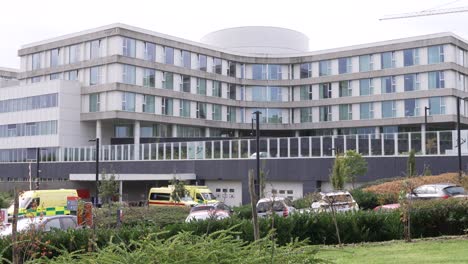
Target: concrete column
(174, 131)
(296, 133)
(236, 133)
(335, 131)
(423, 139)
(207, 132)
(136, 140)
(377, 132)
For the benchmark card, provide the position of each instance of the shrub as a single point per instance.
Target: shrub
(365, 200)
(244, 211)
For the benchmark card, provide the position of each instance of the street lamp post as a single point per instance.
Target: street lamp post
(460, 168)
(257, 143)
(96, 196)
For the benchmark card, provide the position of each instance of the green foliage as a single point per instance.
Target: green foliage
(411, 164)
(243, 212)
(133, 216)
(355, 165)
(338, 176)
(365, 200)
(108, 188)
(179, 189)
(5, 199)
(306, 201)
(427, 170)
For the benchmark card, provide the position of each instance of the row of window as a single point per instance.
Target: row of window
(436, 80)
(29, 129)
(28, 154)
(366, 110)
(29, 103)
(159, 130)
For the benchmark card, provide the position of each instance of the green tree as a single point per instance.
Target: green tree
(179, 189)
(355, 165)
(338, 175)
(108, 187)
(411, 165)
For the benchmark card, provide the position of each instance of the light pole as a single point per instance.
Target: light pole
(257, 143)
(96, 196)
(460, 168)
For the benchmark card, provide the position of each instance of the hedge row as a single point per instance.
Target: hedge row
(432, 218)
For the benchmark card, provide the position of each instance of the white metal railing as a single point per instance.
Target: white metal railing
(368, 145)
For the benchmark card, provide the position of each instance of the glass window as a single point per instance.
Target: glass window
(202, 62)
(344, 65)
(346, 112)
(388, 109)
(306, 70)
(128, 75)
(36, 79)
(366, 110)
(231, 114)
(411, 107)
(436, 80)
(324, 68)
(201, 110)
(168, 81)
(149, 78)
(216, 112)
(201, 86)
(411, 57)
(435, 54)
(325, 113)
(216, 89)
(274, 94)
(437, 106)
(186, 59)
(259, 93)
(186, 80)
(169, 55)
(411, 82)
(366, 87)
(167, 106)
(345, 88)
(54, 58)
(74, 54)
(306, 92)
(95, 49)
(55, 76)
(94, 76)
(123, 131)
(388, 84)
(150, 51)
(388, 59)
(217, 65)
(184, 108)
(190, 132)
(274, 116)
(232, 69)
(94, 102)
(232, 92)
(306, 115)
(148, 104)
(258, 71)
(274, 72)
(128, 102)
(72, 75)
(128, 47)
(36, 61)
(366, 63)
(325, 90)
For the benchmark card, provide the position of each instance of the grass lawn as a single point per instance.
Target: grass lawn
(421, 251)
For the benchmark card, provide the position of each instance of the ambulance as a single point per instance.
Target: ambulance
(43, 202)
(162, 196)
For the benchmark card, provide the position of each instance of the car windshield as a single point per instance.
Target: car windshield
(340, 198)
(186, 199)
(208, 196)
(454, 190)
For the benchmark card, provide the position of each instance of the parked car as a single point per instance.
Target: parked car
(387, 207)
(341, 201)
(438, 191)
(215, 211)
(278, 205)
(44, 224)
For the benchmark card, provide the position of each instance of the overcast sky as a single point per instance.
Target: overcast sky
(327, 23)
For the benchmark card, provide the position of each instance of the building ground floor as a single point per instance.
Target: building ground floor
(227, 179)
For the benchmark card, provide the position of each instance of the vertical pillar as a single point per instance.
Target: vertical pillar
(174, 131)
(335, 131)
(207, 132)
(236, 133)
(120, 191)
(423, 139)
(136, 140)
(296, 133)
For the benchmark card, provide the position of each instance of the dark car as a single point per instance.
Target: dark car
(438, 191)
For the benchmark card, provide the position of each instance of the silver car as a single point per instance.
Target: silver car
(45, 224)
(278, 205)
(438, 191)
